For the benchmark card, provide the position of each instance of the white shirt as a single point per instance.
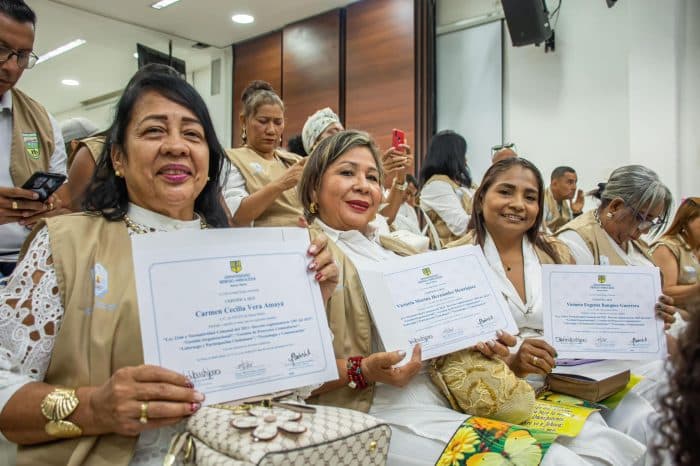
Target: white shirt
(234, 190)
(446, 202)
(12, 235)
(584, 256)
(407, 219)
(24, 360)
(361, 248)
(528, 314)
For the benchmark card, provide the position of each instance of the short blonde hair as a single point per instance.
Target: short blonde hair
(324, 155)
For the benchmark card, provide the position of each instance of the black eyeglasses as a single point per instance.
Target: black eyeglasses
(509, 145)
(25, 59)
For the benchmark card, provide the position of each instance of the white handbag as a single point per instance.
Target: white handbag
(280, 435)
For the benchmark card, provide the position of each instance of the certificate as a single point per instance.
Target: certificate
(235, 310)
(603, 312)
(443, 300)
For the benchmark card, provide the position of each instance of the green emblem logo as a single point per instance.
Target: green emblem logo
(427, 272)
(236, 266)
(31, 145)
(601, 279)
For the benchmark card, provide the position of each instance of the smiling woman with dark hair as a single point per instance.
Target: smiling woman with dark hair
(73, 386)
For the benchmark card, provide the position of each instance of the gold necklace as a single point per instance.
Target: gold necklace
(140, 229)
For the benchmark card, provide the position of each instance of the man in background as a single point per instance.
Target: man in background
(559, 204)
(30, 138)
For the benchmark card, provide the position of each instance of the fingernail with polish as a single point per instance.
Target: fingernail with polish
(499, 333)
(401, 353)
(313, 265)
(199, 396)
(189, 384)
(318, 276)
(194, 407)
(313, 249)
(491, 343)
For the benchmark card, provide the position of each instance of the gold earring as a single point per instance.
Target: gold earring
(117, 173)
(609, 215)
(313, 208)
(208, 178)
(244, 135)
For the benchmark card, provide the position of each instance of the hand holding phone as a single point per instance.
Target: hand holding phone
(44, 184)
(398, 138)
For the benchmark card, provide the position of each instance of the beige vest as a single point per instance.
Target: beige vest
(443, 231)
(258, 172)
(684, 257)
(94, 145)
(32, 138)
(560, 247)
(351, 325)
(597, 239)
(100, 331)
(556, 218)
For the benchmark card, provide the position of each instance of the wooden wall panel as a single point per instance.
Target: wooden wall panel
(259, 58)
(310, 69)
(380, 68)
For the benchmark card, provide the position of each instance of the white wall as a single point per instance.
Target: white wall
(621, 88)
(220, 105)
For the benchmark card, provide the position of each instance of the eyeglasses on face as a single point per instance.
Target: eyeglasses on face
(25, 59)
(509, 145)
(643, 223)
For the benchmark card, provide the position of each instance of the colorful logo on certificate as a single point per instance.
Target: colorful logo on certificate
(101, 278)
(236, 266)
(427, 272)
(601, 279)
(31, 145)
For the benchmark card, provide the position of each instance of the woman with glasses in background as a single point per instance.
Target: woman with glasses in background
(633, 202)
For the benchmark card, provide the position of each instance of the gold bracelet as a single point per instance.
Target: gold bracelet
(56, 406)
(400, 186)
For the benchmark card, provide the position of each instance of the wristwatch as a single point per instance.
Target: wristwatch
(400, 186)
(56, 407)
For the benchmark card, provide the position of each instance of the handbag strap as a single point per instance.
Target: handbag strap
(431, 228)
(180, 442)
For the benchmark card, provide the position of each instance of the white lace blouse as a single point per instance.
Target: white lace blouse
(30, 316)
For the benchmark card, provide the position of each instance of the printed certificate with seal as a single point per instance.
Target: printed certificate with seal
(235, 310)
(443, 300)
(603, 312)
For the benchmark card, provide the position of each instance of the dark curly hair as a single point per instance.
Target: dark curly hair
(679, 424)
(107, 193)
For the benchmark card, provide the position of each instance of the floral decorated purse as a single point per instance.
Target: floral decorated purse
(280, 433)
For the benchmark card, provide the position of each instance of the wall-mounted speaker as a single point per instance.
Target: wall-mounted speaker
(527, 20)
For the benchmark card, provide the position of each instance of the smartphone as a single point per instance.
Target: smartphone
(44, 184)
(398, 137)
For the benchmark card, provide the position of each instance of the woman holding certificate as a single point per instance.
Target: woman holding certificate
(73, 387)
(341, 193)
(261, 187)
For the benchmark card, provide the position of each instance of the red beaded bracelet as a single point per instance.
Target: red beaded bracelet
(356, 380)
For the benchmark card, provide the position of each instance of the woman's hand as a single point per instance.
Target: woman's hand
(498, 348)
(397, 160)
(291, 177)
(116, 405)
(378, 367)
(324, 266)
(535, 356)
(666, 311)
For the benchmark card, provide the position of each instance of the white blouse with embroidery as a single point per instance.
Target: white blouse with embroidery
(30, 316)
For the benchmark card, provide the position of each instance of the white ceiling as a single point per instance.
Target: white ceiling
(113, 27)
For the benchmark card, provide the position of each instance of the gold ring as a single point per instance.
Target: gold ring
(50, 205)
(14, 205)
(143, 419)
(534, 360)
